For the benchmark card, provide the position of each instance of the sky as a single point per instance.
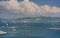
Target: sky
(29, 8)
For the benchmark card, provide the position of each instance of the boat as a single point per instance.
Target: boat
(54, 28)
(2, 32)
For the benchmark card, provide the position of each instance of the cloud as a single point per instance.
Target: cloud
(28, 8)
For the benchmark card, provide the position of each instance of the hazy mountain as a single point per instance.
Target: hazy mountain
(3, 20)
(36, 19)
(31, 19)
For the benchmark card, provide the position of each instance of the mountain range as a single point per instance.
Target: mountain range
(30, 19)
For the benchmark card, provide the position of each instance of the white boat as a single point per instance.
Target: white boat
(54, 28)
(2, 32)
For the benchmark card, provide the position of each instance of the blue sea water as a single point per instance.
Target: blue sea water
(30, 30)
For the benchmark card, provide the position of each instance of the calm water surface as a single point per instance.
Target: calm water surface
(30, 30)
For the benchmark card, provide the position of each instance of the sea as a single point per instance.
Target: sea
(30, 30)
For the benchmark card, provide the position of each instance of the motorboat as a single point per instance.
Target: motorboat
(2, 32)
(54, 28)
